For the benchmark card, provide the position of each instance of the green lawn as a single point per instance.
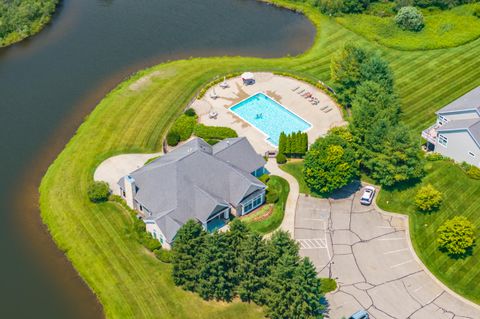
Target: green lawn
(461, 197)
(295, 168)
(268, 225)
(443, 29)
(131, 283)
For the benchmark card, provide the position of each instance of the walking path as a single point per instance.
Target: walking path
(288, 223)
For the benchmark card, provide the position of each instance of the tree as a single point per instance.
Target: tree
(98, 192)
(346, 71)
(456, 236)
(330, 164)
(216, 279)
(295, 290)
(428, 198)
(282, 141)
(281, 244)
(377, 70)
(410, 19)
(331, 7)
(371, 103)
(391, 155)
(173, 138)
(253, 269)
(186, 249)
(355, 6)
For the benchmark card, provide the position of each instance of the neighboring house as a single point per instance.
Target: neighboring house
(456, 134)
(196, 181)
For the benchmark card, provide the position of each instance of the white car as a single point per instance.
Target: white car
(368, 194)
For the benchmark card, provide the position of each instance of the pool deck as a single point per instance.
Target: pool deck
(278, 88)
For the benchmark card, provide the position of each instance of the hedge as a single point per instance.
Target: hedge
(184, 126)
(214, 132)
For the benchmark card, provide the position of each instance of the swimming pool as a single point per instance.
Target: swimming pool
(269, 116)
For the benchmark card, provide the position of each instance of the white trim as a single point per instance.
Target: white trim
(255, 127)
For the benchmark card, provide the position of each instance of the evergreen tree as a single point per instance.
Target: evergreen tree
(305, 143)
(281, 244)
(215, 274)
(288, 145)
(253, 269)
(307, 303)
(282, 143)
(188, 242)
(236, 236)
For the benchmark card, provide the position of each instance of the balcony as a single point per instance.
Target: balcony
(430, 134)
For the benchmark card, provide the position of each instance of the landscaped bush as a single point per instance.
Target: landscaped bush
(428, 198)
(433, 157)
(184, 126)
(190, 112)
(471, 170)
(98, 192)
(328, 285)
(163, 255)
(272, 196)
(281, 158)
(212, 141)
(264, 178)
(476, 11)
(173, 138)
(410, 18)
(214, 132)
(456, 236)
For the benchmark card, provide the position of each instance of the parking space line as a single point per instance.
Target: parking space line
(395, 251)
(401, 264)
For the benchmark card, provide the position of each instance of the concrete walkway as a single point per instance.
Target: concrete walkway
(288, 223)
(113, 168)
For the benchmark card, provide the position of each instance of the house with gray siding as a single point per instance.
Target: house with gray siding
(196, 181)
(456, 133)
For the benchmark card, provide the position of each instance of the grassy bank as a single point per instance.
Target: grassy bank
(130, 282)
(443, 29)
(267, 225)
(461, 197)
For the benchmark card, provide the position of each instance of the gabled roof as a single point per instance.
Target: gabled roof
(467, 102)
(240, 153)
(192, 182)
(470, 125)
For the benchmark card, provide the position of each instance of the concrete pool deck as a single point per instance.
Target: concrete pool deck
(279, 88)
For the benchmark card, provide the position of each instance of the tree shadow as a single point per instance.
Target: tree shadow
(402, 186)
(468, 253)
(346, 191)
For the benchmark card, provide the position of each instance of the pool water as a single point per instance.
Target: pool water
(269, 116)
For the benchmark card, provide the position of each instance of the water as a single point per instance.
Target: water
(269, 116)
(50, 82)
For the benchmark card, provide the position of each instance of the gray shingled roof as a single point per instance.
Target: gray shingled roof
(470, 125)
(469, 101)
(238, 152)
(192, 182)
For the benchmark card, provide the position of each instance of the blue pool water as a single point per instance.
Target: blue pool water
(269, 117)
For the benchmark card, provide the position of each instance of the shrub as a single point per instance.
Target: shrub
(272, 196)
(184, 126)
(212, 141)
(456, 236)
(98, 192)
(281, 158)
(173, 138)
(163, 255)
(428, 198)
(328, 285)
(473, 172)
(476, 11)
(331, 7)
(190, 112)
(214, 132)
(147, 240)
(264, 178)
(410, 18)
(433, 157)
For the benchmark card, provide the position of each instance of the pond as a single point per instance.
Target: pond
(50, 82)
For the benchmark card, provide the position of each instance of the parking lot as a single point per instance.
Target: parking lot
(368, 253)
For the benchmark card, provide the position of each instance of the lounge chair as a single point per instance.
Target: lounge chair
(324, 107)
(213, 115)
(295, 89)
(300, 92)
(327, 110)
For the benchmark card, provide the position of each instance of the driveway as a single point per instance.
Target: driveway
(368, 252)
